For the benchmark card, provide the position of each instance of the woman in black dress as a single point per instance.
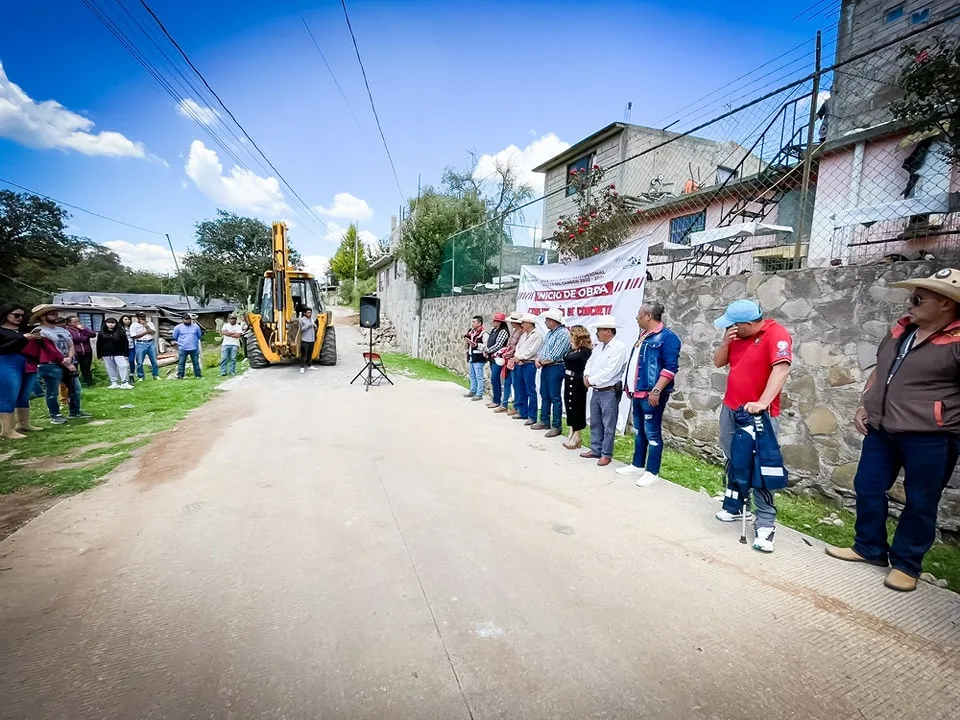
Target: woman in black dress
(574, 392)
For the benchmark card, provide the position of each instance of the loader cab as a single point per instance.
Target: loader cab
(304, 291)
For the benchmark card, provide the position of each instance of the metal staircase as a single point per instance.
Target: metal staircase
(766, 189)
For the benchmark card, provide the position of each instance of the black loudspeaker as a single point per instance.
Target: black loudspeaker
(370, 311)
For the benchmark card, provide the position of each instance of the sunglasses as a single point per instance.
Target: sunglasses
(915, 300)
(17, 314)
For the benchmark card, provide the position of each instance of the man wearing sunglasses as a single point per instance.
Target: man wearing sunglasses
(910, 419)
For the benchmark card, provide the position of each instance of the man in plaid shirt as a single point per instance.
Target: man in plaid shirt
(556, 344)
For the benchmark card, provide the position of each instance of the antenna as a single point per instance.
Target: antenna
(626, 111)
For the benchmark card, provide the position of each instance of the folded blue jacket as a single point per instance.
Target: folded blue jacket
(756, 460)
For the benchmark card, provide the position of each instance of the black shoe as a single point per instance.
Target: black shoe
(58, 420)
(80, 416)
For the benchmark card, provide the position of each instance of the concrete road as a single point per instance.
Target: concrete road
(299, 548)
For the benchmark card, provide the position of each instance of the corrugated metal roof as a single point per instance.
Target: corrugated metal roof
(143, 300)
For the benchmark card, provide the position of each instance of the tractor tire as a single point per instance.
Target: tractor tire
(252, 349)
(328, 351)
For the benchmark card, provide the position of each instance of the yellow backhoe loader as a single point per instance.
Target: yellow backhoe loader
(283, 293)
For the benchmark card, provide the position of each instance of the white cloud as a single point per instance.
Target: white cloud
(49, 124)
(335, 235)
(190, 109)
(316, 264)
(347, 207)
(240, 190)
(523, 161)
(144, 256)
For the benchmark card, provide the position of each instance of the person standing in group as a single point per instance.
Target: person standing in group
(308, 336)
(509, 365)
(16, 384)
(556, 344)
(651, 369)
(125, 322)
(81, 342)
(57, 365)
(604, 373)
(496, 341)
(187, 337)
(144, 335)
(525, 370)
(910, 419)
(231, 332)
(574, 391)
(759, 353)
(113, 349)
(475, 340)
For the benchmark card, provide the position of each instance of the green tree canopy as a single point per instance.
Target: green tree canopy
(231, 253)
(351, 252)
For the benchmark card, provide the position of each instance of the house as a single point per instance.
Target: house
(883, 190)
(645, 164)
(164, 310)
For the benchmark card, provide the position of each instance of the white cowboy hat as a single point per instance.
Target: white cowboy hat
(944, 282)
(529, 318)
(555, 314)
(605, 322)
(515, 317)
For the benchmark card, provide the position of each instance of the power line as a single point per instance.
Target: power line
(807, 10)
(20, 282)
(370, 95)
(81, 209)
(324, 58)
(206, 84)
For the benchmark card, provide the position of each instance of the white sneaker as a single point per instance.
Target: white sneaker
(310, 367)
(126, 386)
(764, 539)
(724, 516)
(302, 371)
(630, 470)
(112, 386)
(647, 479)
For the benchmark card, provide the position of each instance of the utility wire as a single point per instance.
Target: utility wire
(324, 58)
(20, 282)
(372, 104)
(81, 209)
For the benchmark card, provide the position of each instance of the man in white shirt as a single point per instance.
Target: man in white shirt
(144, 336)
(604, 373)
(231, 331)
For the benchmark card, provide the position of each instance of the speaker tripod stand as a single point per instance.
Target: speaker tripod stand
(374, 365)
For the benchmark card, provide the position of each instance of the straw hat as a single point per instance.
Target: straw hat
(515, 317)
(605, 322)
(529, 318)
(555, 314)
(944, 282)
(40, 310)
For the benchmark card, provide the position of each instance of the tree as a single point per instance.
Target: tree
(232, 252)
(930, 80)
(601, 220)
(351, 255)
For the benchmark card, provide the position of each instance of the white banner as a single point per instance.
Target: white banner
(610, 283)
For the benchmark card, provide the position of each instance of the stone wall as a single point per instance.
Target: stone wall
(836, 316)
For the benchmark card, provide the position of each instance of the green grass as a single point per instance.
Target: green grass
(157, 406)
(798, 511)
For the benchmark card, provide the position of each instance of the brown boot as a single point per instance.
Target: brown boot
(851, 555)
(900, 581)
(512, 412)
(7, 427)
(500, 409)
(575, 442)
(23, 421)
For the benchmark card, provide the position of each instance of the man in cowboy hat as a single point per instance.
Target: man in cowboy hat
(604, 373)
(556, 344)
(525, 373)
(910, 419)
(506, 354)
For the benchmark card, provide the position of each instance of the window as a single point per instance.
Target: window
(94, 321)
(583, 163)
(893, 14)
(681, 227)
(920, 16)
(724, 174)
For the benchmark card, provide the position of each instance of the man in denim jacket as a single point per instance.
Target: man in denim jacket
(652, 366)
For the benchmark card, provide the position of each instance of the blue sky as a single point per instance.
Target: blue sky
(82, 121)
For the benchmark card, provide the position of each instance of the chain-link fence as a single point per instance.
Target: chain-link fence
(837, 166)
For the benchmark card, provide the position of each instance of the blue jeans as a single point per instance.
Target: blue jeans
(132, 359)
(508, 384)
(52, 376)
(604, 408)
(496, 382)
(15, 384)
(476, 377)
(551, 395)
(228, 359)
(146, 349)
(194, 356)
(928, 460)
(648, 443)
(525, 390)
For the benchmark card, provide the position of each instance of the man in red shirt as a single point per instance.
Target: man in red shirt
(759, 352)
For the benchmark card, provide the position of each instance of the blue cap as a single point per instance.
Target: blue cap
(739, 311)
